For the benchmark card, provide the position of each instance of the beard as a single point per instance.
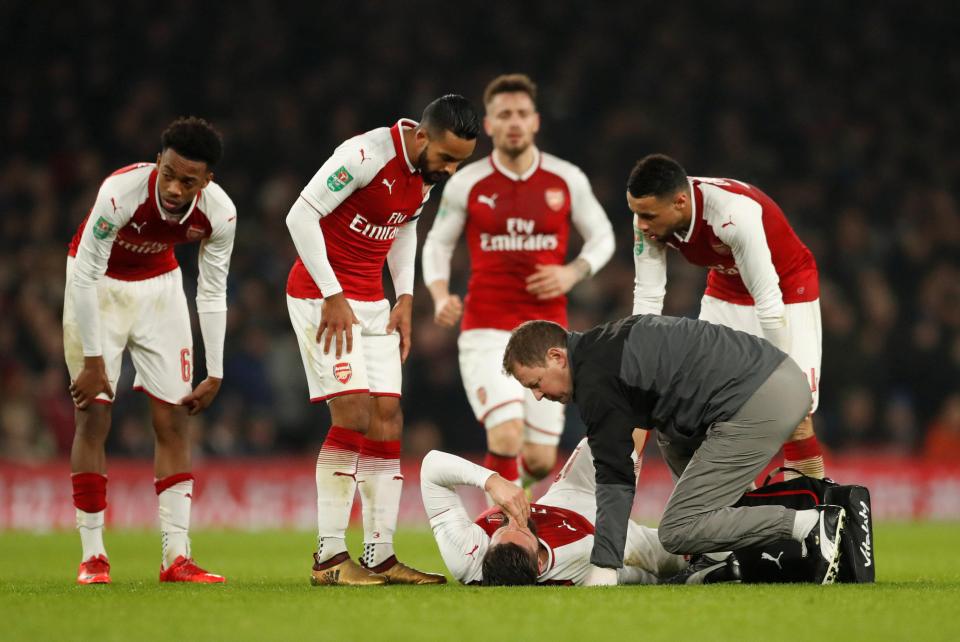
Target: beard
(430, 178)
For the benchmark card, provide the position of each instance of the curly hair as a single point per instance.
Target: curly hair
(193, 138)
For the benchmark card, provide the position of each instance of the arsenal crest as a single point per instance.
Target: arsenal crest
(194, 233)
(555, 198)
(482, 395)
(342, 372)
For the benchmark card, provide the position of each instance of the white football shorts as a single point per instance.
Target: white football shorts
(805, 330)
(496, 397)
(150, 319)
(372, 367)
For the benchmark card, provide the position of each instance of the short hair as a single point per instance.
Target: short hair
(529, 343)
(509, 565)
(193, 138)
(452, 113)
(656, 175)
(510, 83)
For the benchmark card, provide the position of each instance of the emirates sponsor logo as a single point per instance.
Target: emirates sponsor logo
(342, 372)
(149, 247)
(555, 198)
(520, 236)
(364, 227)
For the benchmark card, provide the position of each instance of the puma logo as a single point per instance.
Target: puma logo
(568, 526)
(114, 203)
(489, 201)
(771, 558)
(363, 156)
(473, 550)
(138, 227)
(389, 185)
(729, 222)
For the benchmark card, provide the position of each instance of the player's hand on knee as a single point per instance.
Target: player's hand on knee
(91, 381)
(336, 322)
(448, 311)
(400, 320)
(510, 497)
(201, 396)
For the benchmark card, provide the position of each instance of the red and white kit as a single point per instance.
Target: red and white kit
(762, 279)
(359, 210)
(564, 519)
(124, 287)
(513, 223)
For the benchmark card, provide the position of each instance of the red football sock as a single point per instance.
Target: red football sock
(506, 466)
(806, 456)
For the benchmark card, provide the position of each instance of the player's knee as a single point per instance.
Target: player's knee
(505, 438)
(351, 412)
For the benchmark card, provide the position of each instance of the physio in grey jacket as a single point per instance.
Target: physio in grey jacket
(722, 402)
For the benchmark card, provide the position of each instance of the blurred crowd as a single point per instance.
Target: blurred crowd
(834, 109)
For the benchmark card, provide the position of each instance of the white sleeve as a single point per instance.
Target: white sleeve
(93, 254)
(402, 258)
(591, 222)
(214, 265)
(339, 177)
(443, 236)
(303, 221)
(462, 543)
(650, 273)
(748, 242)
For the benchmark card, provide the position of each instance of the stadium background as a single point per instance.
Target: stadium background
(844, 112)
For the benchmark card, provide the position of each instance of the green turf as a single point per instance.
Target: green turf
(268, 597)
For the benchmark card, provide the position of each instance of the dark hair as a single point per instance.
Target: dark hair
(193, 138)
(509, 565)
(656, 175)
(509, 83)
(529, 343)
(452, 113)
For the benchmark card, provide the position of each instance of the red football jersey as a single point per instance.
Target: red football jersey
(143, 245)
(514, 223)
(364, 193)
(713, 231)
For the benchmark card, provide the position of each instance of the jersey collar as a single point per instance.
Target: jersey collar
(534, 166)
(401, 146)
(166, 216)
(694, 194)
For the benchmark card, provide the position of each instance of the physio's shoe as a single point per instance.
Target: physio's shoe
(823, 543)
(397, 572)
(184, 569)
(340, 570)
(708, 568)
(95, 570)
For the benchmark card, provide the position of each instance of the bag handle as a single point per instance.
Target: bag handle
(778, 470)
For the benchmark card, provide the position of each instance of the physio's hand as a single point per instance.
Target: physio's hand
(448, 310)
(91, 381)
(510, 497)
(202, 396)
(336, 321)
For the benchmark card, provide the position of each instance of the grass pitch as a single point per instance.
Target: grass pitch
(268, 597)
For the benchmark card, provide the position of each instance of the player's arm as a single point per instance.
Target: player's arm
(214, 266)
(93, 253)
(402, 261)
(748, 242)
(650, 273)
(588, 216)
(339, 177)
(438, 250)
(462, 543)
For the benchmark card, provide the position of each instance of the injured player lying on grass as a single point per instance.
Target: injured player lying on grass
(547, 542)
